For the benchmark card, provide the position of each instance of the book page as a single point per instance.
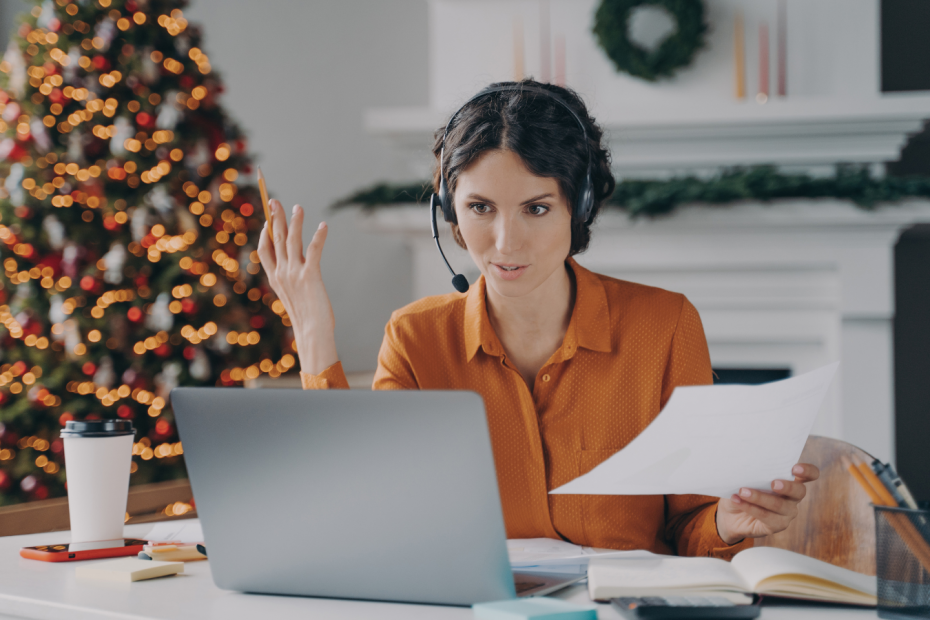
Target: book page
(715, 439)
(777, 571)
(660, 572)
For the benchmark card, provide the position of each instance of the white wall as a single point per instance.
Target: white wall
(298, 74)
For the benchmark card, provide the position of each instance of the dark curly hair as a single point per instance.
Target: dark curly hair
(545, 136)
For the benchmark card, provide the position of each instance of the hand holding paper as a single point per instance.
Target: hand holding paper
(715, 440)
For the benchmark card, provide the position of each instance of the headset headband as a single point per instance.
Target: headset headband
(584, 202)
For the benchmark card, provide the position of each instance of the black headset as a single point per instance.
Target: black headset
(584, 202)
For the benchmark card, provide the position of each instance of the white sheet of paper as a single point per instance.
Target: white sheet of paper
(528, 553)
(186, 531)
(714, 440)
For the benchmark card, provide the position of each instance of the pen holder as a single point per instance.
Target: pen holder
(902, 559)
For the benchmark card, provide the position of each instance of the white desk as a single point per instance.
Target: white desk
(43, 590)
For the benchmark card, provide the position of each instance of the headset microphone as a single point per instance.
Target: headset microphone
(458, 280)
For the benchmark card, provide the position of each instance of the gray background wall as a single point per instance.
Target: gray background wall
(298, 76)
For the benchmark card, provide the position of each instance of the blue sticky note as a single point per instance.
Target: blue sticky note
(533, 609)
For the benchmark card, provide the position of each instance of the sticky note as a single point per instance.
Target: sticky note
(127, 569)
(533, 609)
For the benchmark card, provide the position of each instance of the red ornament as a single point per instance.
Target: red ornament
(162, 427)
(41, 492)
(66, 417)
(134, 314)
(125, 412)
(110, 223)
(88, 368)
(101, 63)
(132, 6)
(18, 368)
(16, 153)
(162, 350)
(5, 480)
(141, 281)
(189, 353)
(55, 96)
(257, 322)
(144, 119)
(246, 209)
(27, 251)
(58, 446)
(87, 283)
(188, 306)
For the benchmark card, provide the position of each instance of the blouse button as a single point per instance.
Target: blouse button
(545, 377)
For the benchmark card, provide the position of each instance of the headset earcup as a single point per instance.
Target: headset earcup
(585, 203)
(445, 200)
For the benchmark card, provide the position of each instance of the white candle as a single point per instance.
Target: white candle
(559, 51)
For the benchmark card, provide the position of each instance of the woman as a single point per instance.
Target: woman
(572, 365)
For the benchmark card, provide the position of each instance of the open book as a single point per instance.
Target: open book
(759, 570)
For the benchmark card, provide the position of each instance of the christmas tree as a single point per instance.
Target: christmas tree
(128, 229)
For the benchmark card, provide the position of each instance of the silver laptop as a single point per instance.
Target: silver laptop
(350, 494)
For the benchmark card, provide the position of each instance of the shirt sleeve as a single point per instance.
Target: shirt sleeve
(333, 377)
(691, 520)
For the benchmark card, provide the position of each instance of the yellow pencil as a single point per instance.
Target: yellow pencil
(880, 496)
(264, 192)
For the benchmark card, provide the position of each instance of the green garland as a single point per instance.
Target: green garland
(654, 197)
(611, 32)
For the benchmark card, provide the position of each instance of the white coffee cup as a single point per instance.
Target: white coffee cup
(98, 455)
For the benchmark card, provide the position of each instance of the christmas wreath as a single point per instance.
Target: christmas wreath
(612, 31)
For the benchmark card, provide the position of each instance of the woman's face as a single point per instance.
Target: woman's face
(516, 225)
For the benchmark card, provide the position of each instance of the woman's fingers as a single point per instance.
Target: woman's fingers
(789, 489)
(294, 238)
(266, 250)
(315, 249)
(279, 232)
(805, 472)
(768, 501)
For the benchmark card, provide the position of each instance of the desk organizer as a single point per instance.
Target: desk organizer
(902, 558)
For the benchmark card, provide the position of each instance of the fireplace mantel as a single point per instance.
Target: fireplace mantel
(794, 284)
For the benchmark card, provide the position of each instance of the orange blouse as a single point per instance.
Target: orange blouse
(626, 348)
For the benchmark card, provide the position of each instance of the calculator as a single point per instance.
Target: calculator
(675, 607)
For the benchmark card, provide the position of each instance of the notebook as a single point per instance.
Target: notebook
(127, 569)
(759, 570)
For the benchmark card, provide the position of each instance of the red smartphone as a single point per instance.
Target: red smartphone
(83, 551)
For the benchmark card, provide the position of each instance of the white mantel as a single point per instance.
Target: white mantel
(794, 284)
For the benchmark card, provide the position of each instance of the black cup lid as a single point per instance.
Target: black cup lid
(97, 428)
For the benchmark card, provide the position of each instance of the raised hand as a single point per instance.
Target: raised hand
(753, 513)
(298, 283)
